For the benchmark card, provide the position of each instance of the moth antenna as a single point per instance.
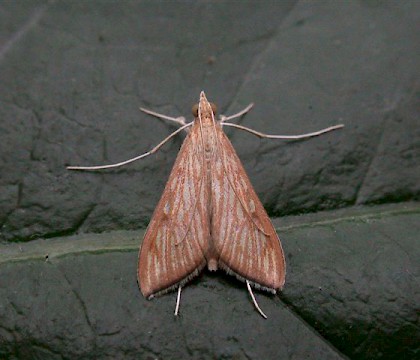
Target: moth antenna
(255, 301)
(180, 120)
(286, 137)
(224, 118)
(122, 163)
(178, 301)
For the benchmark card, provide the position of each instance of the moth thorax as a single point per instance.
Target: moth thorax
(206, 119)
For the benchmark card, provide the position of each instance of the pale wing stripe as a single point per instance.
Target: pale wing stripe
(273, 264)
(157, 270)
(187, 190)
(226, 220)
(242, 235)
(222, 203)
(179, 194)
(240, 229)
(258, 254)
(161, 248)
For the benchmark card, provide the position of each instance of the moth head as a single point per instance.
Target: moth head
(195, 109)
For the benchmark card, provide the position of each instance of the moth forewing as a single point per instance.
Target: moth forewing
(243, 235)
(174, 246)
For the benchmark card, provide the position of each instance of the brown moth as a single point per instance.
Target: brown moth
(209, 214)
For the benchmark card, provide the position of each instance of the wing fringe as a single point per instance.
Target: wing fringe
(182, 282)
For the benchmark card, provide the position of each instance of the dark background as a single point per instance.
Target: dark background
(72, 76)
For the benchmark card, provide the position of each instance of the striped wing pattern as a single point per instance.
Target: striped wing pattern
(242, 233)
(209, 214)
(177, 238)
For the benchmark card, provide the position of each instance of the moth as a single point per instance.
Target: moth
(209, 214)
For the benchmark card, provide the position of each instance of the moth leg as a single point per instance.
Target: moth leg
(180, 120)
(255, 301)
(122, 163)
(287, 137)
(178, 301)
(224, 118)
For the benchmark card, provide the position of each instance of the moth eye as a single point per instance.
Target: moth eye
(195, 110)
(213, 108)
